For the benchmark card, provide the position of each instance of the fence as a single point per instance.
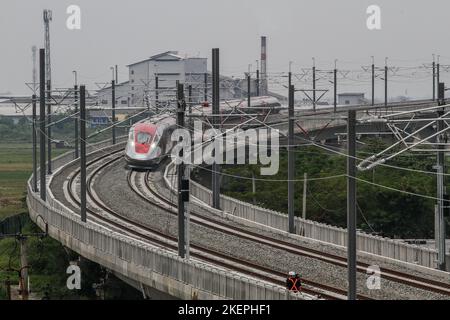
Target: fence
(141, 261)
(319, 231)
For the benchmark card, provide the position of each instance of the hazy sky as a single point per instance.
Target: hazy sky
(120, 32)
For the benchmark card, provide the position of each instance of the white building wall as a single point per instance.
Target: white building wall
(351, 99)
(104, 96)
(169, 70)
(139, 78)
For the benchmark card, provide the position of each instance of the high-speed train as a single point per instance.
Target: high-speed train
(149, 141)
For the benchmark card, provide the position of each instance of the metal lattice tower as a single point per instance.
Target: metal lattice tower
(48, 69)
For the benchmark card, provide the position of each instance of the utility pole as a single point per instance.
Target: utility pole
(187, 174)
(157, 93)
(351, 204)
(263, 60)
(75, 100)
(113, 111)
(335, 85)
(438, 72)
(34, 75)
(23, 268)
(35, 188)
(290, 76)
(42, 123)
(190, 106)
(83, 153)
(314, 83)
(291, 162)
(373, 81)
(47, 14)
(117, 74)
(205, 80)
(305, 186)
(257, 78)
(180, 172)
(440, 167)
(215, 114)
(253, 188)
(49, 128)
(385, 83)
(249, 88)
(434, 78)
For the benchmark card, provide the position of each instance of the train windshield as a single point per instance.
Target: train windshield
(143, 137)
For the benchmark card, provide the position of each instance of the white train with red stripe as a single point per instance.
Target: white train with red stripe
(149, 141)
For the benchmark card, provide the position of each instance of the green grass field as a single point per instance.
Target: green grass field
(15, 169)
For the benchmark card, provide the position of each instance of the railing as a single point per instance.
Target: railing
(138, 260)
(377, 245)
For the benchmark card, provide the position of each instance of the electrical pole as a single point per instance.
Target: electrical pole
(157, 93)
(215, 114)
(42, 123)
(113, 111)
(335, 85)
(34, 76)
(23, 268)
(434, 78)
(314, 83)
(83, 153)
(49, 128)
(440, 167)
(35, 188)
(385, 83)
(289, 76)
(249, 88)
(291, 162)
(257, 78)
(190, 105)
(117, 74)
(373, 81)
(305, 186)
(180, 172)
(75, 99)
(47, 14)
(351, 204)
(438, 73)
(205, 79)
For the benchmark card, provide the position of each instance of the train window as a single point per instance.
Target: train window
(143, 137)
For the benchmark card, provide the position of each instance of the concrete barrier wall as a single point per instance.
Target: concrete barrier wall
(319, 231)
(142, 262)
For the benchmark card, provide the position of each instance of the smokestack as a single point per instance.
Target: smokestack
(264, 88)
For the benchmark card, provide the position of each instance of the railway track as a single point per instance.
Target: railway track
(393, 275)
(225, 261)
(155, 237)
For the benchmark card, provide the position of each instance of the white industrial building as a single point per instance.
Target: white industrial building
(122, 93)
(351, 99)
(155, 78)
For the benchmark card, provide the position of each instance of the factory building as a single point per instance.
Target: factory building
(351, 99)
(104, 95)
(154, 79)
